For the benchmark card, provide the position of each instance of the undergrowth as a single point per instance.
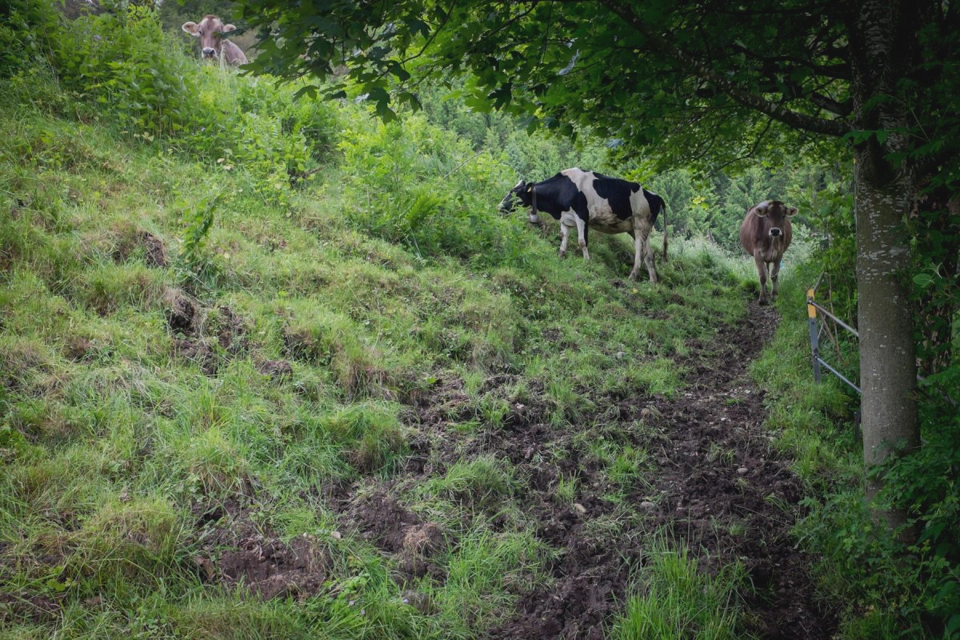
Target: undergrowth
(225, 317)
(887, 588)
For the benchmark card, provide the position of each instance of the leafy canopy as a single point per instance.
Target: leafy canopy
(712, 76)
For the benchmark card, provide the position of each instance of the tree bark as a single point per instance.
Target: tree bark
(888, 365)
(884, 47)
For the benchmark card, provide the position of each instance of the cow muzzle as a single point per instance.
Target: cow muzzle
(209, 52)
(776, 232)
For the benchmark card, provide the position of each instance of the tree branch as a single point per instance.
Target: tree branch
(745, 98)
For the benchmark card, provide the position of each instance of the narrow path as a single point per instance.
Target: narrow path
(727, 491)
(720, 486)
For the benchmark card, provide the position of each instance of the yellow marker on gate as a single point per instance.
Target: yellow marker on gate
(814, 335)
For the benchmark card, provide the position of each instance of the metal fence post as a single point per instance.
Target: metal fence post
(814, 335)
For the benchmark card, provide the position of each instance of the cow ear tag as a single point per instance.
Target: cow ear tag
(530, 188)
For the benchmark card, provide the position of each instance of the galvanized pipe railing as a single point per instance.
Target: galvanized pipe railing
(816, 360)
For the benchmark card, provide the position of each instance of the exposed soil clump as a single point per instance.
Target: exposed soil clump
(395, 529)
(132, 240)
(235, 551)
(232, 330)
(183, 313)
(276, 369)
(202, 351)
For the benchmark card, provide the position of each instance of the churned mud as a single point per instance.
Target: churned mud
(715, 482)
(711, 479)
(718, 485)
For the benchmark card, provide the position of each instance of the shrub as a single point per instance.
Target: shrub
(125, 62)
(416, 184)
(24, 29)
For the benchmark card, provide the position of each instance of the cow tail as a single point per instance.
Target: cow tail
(664, 207)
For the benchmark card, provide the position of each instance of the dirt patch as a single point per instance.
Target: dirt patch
(201, 351)
(443, 403)
(78, 348)
(28, 606)
(382, 520)
(184, 314)
(236, 551)
(131, 240)
(724, 488)
(719, 486)
(210, 338)
(712, 478)
(232, 330)
(276, 369)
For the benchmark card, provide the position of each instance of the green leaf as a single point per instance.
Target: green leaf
(953, 624)
(923, 280)
(309, 90)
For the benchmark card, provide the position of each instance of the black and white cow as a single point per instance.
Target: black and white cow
(588, 200)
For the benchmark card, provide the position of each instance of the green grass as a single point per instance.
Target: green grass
(119, 425)
(674, 599)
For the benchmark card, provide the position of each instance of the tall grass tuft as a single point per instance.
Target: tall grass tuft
(674, 598)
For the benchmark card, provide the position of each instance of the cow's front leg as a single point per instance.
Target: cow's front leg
(564, 236)
(762, 272)
(637, 254)
(774, 277)
(648, 256)
(582, 231)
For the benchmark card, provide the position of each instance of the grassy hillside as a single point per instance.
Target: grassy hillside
(216, 389)
(272, 368)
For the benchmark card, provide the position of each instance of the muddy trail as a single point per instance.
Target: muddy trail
(718, 485)
(711, 478)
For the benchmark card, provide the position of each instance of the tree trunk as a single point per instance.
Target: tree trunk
(884, 47)
(888, 365)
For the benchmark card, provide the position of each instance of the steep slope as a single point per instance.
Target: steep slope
(224, 411)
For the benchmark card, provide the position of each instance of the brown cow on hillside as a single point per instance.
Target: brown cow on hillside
(212, 43)
(765, 234)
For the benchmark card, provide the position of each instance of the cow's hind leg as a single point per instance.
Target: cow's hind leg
(637, 254)
(648, 257)
(641, 243)
(582, 231)
(762, 272)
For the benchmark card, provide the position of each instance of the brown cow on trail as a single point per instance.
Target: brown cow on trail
(212, 43)
(765, 234)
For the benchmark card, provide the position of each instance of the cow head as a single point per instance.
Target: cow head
(520, 195)
(210, 31)
(776, 212)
